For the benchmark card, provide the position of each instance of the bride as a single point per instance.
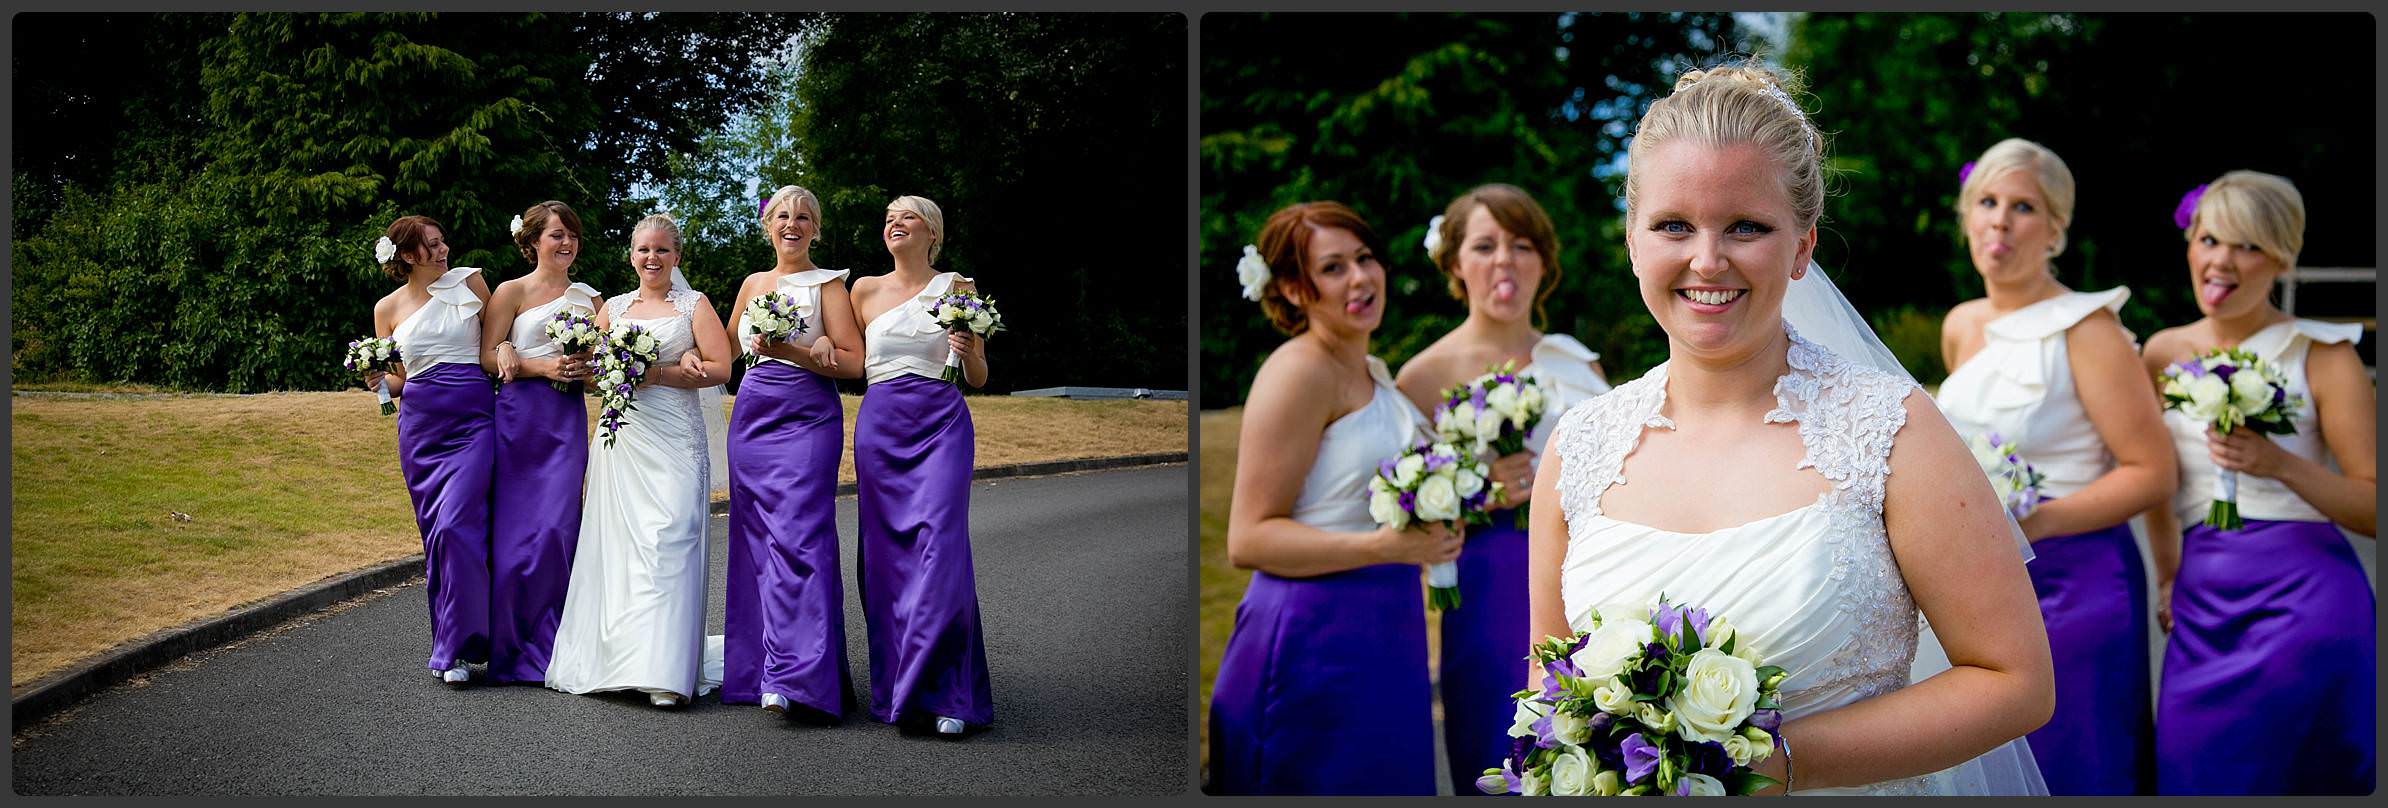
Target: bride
(1817, 502)
(634, 612)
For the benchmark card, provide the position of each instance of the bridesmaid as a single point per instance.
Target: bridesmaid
(542, 444)
(2268, 681)
(785, 616)
(445, 436)
(1500, 255)
(1322, 688)
(914, 449)
(2050, 369)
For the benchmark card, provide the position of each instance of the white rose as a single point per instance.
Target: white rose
(615, 379)
(1614, 643)
(1613, 697)
(1761, 744)
(2250, 392)
(2176, 385)
(1719, 692)
(1571, 773)
(1488, 424)
(1252, 272)
(1528, 712)
(1739, 749)
(1986, 453)
(1607, 783)
(1445, 451)
(2208, 395)
(384, 250)
(1437, 500)
(982, 322)
(1704, 786)
(1385, 508)
(1570, 728)
(1446, 426)
(646, 343)
(1407, 469)
(1468, 483)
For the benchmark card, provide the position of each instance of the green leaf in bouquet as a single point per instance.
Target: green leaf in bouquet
(1766, 701)
(1742, 782)
(1766, 672)
(1730, 641)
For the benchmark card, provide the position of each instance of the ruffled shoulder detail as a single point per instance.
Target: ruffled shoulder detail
(2050, 317)
(452, 289)
(812, 277)
(581, 296)
(1563, 362)
(2330, 333)
(2278, 340)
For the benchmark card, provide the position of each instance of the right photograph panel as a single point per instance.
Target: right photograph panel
(1751, 403)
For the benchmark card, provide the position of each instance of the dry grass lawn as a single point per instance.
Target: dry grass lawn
(283, 490)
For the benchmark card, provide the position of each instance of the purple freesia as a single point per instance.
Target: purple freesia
(2186, 212)
(1641, 758)
(1769, 720)
(2224, 372)
(1385, 469)
(1409, 501)
(1502, 782)
(1542, 731)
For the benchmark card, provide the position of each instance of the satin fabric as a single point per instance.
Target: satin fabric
(2269, 676)
(2093, 598)
(785, 611)
(446, 442)
(914, 448)
(1484, 647)
(542, 453)
(1323, 689)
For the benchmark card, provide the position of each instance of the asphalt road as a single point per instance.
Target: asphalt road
(1083, 592)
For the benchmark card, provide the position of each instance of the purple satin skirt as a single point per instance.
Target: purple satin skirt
(913, 453)
(542, 453)
(2269, 679)
(785, 610)
(2093, 597)
(1322, 689)
(1484, 650)
(446, 442)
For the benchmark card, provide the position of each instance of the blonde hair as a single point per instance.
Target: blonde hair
(1731, 104)
(791, 194)
(928, 212)
(2252, 207)
(655, 221)
(2046, 170)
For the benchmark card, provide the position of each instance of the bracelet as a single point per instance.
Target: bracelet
(1786, 764)
(508, 345)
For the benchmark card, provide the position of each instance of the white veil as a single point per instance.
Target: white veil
(1815, 307)
(717, 427)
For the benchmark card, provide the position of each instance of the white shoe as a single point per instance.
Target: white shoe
(666, 699)
(457, 675)
(774, 702)
(949, 726)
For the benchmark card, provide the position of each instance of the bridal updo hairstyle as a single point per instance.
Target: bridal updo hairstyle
(655, 221)
(1515, 211)
(1731, 104)
(2046, 170)
(1285, 244)
(2251, 207)
(407, 233)
(535, 221)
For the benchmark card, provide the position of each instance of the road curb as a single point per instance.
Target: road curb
(48, 695)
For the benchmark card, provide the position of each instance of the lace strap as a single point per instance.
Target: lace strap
(684, 301)
(618, 305)
(1595, 435)
(1848, 416)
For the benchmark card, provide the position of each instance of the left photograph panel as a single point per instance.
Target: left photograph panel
(598, 404)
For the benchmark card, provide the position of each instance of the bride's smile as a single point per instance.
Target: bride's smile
(1715, 244)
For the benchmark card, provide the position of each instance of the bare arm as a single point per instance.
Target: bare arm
(2163, 531)
(1953, 547)
(2129, 418)
(1546, 551)
(499, 356)
(1285, 417)
(384, 324)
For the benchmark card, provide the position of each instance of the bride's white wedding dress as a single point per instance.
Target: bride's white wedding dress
(1816, 589)
(634, 611)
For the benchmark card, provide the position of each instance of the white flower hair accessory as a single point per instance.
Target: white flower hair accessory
(515, 227)
(383, 250)
(1252, 272)
(1434, 235)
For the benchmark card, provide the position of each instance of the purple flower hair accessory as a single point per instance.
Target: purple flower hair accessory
(2184, 213)
(1964, 172)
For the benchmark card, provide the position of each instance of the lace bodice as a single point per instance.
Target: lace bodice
(905, 339)
(2020, 385)
(1815, 589)
(529, 332)
(804, 288)
(446, 330)
(676, 335)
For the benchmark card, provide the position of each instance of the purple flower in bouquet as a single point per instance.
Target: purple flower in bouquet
(2225, 389)
(1641, 758)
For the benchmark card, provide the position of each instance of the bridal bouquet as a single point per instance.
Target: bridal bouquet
(2017, 483)
(622, 361)
(1667, 701)
(776, 317)
(1491, 414)
(2228, 388)
(1433, 482)
(374, 353)
(572, 332)
(964, 311)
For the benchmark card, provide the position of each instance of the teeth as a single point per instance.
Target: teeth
(1710, 296)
